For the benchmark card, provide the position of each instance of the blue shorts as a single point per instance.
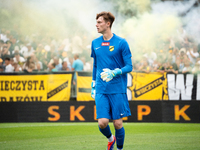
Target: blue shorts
(112, 106)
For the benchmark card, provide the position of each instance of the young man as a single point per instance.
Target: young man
(112, 62)
(8, 66)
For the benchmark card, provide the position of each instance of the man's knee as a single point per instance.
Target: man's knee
(103, 122)
(118, 124)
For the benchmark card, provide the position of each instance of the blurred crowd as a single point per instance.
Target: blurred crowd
(42, 53)
(178, 54)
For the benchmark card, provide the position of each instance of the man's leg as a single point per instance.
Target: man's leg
(120, 108)
(105, 130)
(119, 133)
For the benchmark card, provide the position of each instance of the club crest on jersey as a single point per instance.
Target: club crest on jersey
(111, 48)
(105, 43)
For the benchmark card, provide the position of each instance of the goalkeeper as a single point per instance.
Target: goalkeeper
(112, 62)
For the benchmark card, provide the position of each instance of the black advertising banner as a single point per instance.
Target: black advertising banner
(47, 112)
(181, 111)
(145, 111)
(72, 111)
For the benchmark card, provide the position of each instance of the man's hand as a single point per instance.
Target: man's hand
(108, 74)
(93, 91)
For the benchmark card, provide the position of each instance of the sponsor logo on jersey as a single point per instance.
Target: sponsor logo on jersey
(105, 43)
(111, 48)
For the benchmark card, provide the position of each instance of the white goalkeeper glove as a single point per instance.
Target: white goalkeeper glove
(108, 74)
(93, 91)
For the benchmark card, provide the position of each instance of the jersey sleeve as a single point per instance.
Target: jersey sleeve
(94, 63)
(126, 54)
(92, 51)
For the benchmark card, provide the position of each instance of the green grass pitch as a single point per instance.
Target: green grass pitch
(86, 136)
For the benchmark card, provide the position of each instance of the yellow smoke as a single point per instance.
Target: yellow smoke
(141, 5)
(147, 31)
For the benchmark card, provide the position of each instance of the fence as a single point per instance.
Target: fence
(142, 111)
(58, 86)
(45, 97)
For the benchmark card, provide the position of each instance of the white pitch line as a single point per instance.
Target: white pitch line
(47, 125)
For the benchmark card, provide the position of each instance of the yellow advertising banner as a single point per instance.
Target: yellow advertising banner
(35, 87)
(84, 80)
(142, 86)
(149, 86)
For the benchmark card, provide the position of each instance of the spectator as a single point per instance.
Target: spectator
(48, 45)
(77, 64)
(175, 55)
(31, 67)
(193, 54)
(58, 64)
(196, 68)
(27, 66)
(38, 63)
(186, 43)
(8, 66)
(44, 62)
(187, 68)
(65, 66)
(158, 66)
(27, 50)
(16, 67)
(3, 35)
(41, 57)
(18, 59)
(181, 59)
(171, 67)
(50, 55)
(16, 49)
(52, 67)
(14, 43)
(65, 56)
(10, 47)
(5, 52)
(40, 51)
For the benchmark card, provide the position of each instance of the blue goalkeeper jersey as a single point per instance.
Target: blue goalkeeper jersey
(112, 54)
